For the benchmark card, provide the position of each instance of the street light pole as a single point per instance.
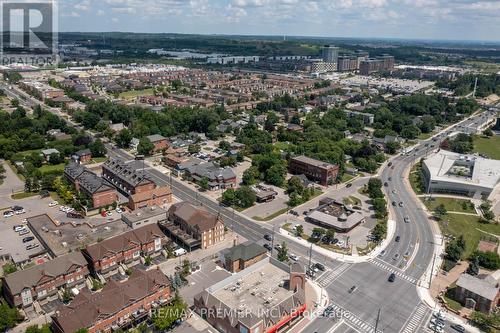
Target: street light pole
(378, 319)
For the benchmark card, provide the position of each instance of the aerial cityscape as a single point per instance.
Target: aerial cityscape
(250, 166)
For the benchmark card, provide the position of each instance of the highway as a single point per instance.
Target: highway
(400, 307)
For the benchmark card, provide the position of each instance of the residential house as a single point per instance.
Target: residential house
(42, 282)
(218, 178)
(83, 156)
(126, 249)
(47, 152)
(119, 305)
(160, 142)
(480, 293)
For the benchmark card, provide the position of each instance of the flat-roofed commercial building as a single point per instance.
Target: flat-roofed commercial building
(318, 171)
(468, 175)
(268, 296)
(332, 214)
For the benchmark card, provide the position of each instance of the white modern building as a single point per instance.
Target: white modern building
(468, 175)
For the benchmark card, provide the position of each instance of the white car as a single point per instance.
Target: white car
(62, 208)
(8, 213)
(293, 257)
(53, 203)
(439, 314)
(24, 232)
(21, 211)
(119, 210)
(340, 243)
(437, 322)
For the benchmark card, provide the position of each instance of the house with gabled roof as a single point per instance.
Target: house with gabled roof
(41, 283)
(126, 249)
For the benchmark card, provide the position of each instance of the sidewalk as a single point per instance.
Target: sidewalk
(391, 229)
(315, 307)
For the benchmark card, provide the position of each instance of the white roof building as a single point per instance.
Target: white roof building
(469, 175)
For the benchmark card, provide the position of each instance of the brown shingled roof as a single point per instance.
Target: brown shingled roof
(195, 216)
(87, 307)
(157, 192)
(123, 242)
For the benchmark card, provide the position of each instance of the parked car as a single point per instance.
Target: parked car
(392, 277)
(293, 257)
(28, 239)
(268, 237)
(277, 246)
(119, 210)
(32, 246)
(458, 328)
(348, 185)
(24, 232)
(109, 213)
(8, 213)
(18, 228)
(268, 247)
(53, 203)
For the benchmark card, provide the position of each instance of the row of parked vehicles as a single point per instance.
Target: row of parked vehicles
(15, 210)
(23, 230)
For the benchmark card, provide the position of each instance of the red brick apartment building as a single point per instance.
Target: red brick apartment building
(194, 226)
(128, 176)
(41, 283)
(156, 197)
(119, 305)
(105, 257)
(98, 190)
(159, 141)
(314, 170)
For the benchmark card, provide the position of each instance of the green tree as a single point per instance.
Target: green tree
(203, 183)
(488, 132)
(194, 148)
(166, 316)
(229, 197)
(97, 148)
(9, 317)
(9, 268)
(224, 145)
(283, 252)
(440, 211)
(295, 185)
(145, 147)
(473, 268)
(123, 138)
(488, 260)
(299, 230)
(246, 197)
(276, 175)
(330, 233)
(251, 176)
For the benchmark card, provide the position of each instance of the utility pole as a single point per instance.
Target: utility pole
(378, 318)
(272, 242)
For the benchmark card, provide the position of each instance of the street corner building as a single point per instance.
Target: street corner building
(268, 296)
(119, 305)
(317, 171)
(193, 226)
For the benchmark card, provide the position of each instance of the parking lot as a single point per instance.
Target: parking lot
(11, 243)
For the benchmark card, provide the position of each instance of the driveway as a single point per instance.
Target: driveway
(11, 184)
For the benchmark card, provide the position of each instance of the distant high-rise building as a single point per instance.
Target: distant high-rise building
(347, 63)
(371, 65)
(330, 54)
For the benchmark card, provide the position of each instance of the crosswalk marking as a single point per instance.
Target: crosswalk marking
(415, 321)
(399, 273)
(327, 278)
(354, 321)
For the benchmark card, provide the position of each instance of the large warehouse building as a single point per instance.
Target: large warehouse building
(468, 175)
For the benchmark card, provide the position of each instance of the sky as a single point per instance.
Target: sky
(411, 19)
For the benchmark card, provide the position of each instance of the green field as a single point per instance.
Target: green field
(488, 146)
(22, 195)
(51, 168)
(135, 93)
(467, 225)
(451, 205)
(346, 177)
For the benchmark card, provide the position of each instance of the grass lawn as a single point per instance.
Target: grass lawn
(272, 216)
(281, 145)
(346, 177)
(452, 303)
(351, 200)
(22, 195)
(488, 146)
(415, 179)
(424, 136)
(452, 205)
(50, 168)
(98, 159)
(466, 225)
(135, 93)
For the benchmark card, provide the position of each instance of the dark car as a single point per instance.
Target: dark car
(397, 239)
(268, 237)
(389, 164)
(268, 247)
(394, 203)
(392, 277)
(401, 204)
(319, 266)
(386, 184)
(390, 178)
(28, 239)
(348, 185)
(458, 328)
